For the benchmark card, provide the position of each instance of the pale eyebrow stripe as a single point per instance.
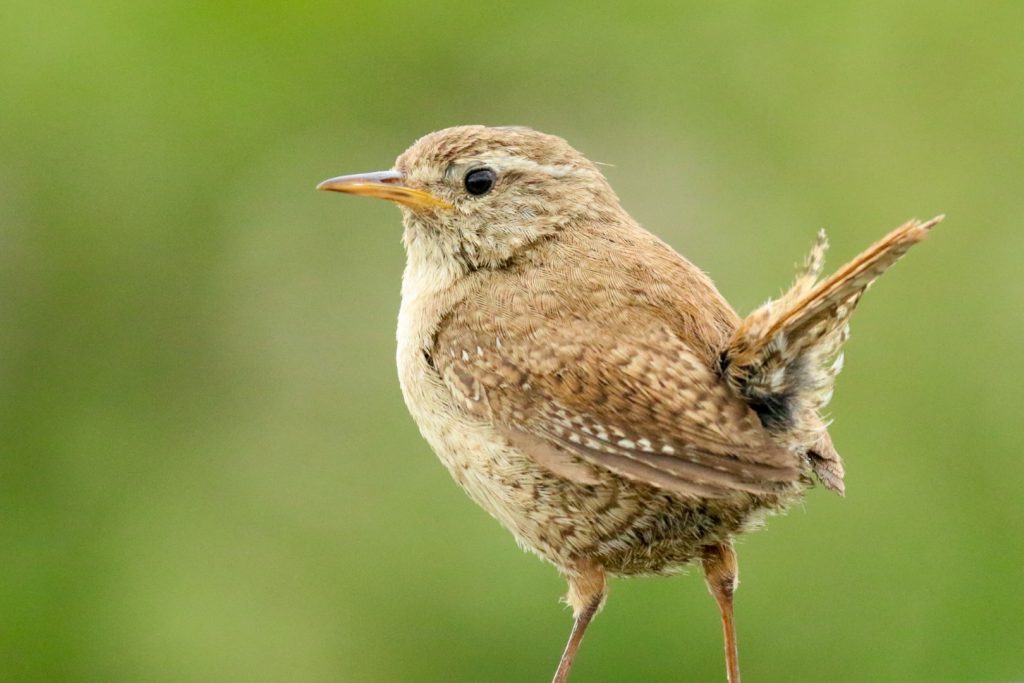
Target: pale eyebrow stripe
(517, 163)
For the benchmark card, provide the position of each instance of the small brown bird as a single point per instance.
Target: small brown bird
(587, 385)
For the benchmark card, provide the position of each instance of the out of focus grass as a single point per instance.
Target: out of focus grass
(206, 469)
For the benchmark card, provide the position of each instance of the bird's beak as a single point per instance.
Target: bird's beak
(384, 185)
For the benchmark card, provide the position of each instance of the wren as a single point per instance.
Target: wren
(587, 385)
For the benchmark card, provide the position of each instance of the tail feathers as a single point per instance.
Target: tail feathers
(784, 357)
(827, 464)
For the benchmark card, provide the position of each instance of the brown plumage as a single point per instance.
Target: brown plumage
(589, 386)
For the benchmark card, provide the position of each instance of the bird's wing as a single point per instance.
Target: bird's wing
(631, 398)
(783, 357)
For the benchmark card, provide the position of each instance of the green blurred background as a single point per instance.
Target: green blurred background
(207, 472)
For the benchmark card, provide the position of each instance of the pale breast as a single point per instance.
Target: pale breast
(497, 476)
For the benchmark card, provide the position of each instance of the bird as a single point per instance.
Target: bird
(590, 387)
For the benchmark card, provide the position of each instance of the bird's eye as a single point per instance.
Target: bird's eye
(480, 181)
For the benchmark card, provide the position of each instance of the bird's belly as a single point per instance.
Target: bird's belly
(495, 475)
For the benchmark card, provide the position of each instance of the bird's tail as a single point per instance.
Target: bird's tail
(784, 357)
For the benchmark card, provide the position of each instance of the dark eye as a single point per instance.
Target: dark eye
(480, 181)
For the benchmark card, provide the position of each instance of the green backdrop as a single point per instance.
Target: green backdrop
(206, 469)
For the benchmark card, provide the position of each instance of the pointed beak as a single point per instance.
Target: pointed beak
(384, 185)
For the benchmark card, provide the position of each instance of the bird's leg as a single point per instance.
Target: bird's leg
(722, 575)
(587, 591)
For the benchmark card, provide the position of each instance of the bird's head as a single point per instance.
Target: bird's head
(478, 196)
